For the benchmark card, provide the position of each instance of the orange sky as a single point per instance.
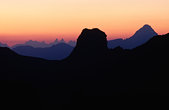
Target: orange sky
(22, 20)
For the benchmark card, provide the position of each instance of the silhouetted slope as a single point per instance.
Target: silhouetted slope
(6, 52)
(156, 43)
(153, 61)
(155, 51)
(13, 64)
(56, 52)
(140, 37)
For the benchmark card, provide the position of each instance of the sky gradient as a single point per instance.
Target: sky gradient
(22, 20)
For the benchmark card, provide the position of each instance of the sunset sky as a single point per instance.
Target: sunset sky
(22, 20)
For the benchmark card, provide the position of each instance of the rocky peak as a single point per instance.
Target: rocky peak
(92, 39)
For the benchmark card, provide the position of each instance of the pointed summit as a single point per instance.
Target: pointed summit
(146, 29)
(147, 26)
(145, 32)
(140, 37)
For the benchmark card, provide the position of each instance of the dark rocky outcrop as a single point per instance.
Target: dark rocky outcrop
(91, 44)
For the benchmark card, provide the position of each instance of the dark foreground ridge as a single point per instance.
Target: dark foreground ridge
(91, 70)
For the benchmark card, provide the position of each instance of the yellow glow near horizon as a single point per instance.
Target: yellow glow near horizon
(49, 19)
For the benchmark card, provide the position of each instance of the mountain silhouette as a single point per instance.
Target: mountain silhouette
(91, 43)
(35, 44)
(55, 52)
(43, 44)
(140, 37)
(91, 70)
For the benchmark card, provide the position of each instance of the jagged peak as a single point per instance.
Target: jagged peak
(145, 32)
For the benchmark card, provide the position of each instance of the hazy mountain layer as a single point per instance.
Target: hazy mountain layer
(140, 37)
(55, 52)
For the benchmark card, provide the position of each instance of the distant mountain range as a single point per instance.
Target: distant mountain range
(140, 37)
(55, 52)
(37, 44)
